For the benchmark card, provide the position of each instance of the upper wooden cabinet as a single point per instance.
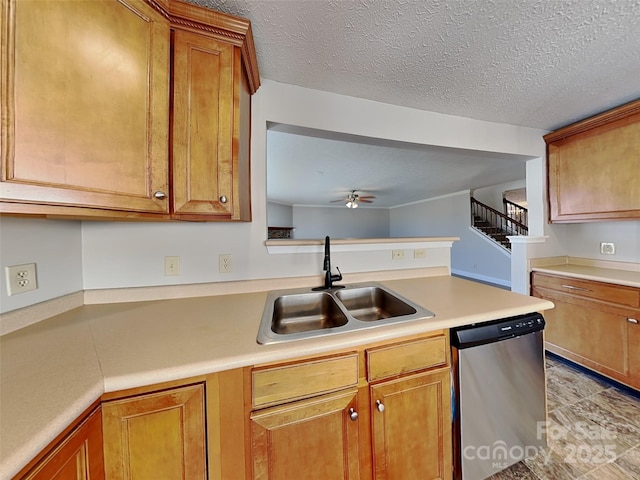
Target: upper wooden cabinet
(95, 93)
(593, 167)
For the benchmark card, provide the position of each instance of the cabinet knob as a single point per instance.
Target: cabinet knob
(353, 415)
(632, 320)
(223, 199)
(160, 195)
(380, 406)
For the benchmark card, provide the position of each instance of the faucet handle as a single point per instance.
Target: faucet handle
(337, 278)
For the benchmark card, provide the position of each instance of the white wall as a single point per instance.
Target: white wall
(279, 215)
(118, 254)
(56, 248)
(473, 255)
(340, 222)
(492, 195)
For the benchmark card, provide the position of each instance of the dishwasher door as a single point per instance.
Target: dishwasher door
(500, 401)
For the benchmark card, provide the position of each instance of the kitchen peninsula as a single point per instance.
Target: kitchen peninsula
(54, 370)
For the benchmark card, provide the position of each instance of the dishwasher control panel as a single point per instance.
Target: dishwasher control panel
(494, 331)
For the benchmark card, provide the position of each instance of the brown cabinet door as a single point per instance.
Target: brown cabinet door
(590, 333)
(315, 439)
(85, 98)
(593, 167)
(78, 457)
(159, 435)
(204, 158)
(411, 427)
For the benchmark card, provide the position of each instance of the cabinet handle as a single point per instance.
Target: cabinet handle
(223, 199)
(380, 406)
(160, 195)
(632, 320)
(580, 289)
(353, 415)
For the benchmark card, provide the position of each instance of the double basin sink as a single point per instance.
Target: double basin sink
(305, 313)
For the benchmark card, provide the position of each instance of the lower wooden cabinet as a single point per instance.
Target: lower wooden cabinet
(594, 324)
(78, 456)
(411, 427)
(310, 439)
(382, 412)
(159, 435)
(378, 411)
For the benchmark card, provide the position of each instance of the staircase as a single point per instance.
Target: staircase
(497, 225)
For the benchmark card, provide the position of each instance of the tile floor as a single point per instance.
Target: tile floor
(594, 431)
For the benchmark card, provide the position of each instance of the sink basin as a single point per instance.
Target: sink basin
(369, 304)
(305, 312)
(302, 313)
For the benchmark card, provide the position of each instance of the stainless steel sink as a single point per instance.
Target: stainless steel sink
(306, 312)
(303, 313)
(369, 304)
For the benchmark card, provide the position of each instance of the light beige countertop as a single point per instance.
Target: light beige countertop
(54, 370)
(600, 271)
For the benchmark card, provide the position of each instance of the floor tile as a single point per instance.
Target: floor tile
(619, 403)
(593, 431)
(609, 471)
(630, 462)
(519, 471)
(569, 386)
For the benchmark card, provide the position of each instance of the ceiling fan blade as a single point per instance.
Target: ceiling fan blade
(366, 196)
(340, 200)
(361, 200)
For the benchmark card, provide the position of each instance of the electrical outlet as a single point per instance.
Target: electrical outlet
(607, 248)
(225, 263)
(171, 266)
(420, 253)
(21, 278)
(397, 254)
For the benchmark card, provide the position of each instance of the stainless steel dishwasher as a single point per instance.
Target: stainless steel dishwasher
(499, 394)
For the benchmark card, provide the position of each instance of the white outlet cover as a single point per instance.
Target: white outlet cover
(21, 278)
(607, 248)
(225, 263)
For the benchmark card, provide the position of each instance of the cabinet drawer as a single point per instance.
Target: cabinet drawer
(273, 385)
(392, 360)
(627, 296)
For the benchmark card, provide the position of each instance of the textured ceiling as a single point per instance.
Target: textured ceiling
(535, 63)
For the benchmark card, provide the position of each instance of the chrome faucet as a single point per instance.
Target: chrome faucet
(326, 266)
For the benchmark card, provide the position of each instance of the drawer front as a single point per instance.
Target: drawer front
(274, 385)
(393, 360)
(627, 296)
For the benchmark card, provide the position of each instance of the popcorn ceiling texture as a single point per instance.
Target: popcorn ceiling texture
(535, 63)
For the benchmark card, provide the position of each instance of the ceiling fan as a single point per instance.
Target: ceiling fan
(352, 200)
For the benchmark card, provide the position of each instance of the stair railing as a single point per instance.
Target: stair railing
(498, 220)
(515, 211)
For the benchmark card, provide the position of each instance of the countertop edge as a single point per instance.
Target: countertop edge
(569, 270)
